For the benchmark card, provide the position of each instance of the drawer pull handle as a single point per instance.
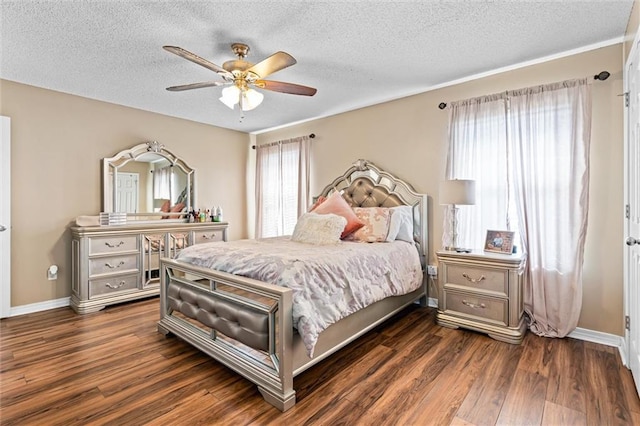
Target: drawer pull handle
(114, 245)
(474, 280)
(108, 265)
(115, 286)
(205, 237)
(474, 305)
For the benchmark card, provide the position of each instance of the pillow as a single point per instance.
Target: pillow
(401, 225)
(165, 208)
(319, 229)
(321, 199)
(376, 224)
(177, 208)
(337, 205)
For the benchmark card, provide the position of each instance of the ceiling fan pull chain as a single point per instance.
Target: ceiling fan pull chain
(240, 105)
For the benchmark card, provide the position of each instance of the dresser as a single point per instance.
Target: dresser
(114, 264)
(483, 292)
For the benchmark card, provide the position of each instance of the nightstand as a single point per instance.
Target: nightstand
(482, 291)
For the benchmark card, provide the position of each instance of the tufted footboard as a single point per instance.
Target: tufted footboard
(243, 323)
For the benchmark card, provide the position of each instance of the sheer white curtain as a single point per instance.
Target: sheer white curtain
(550, 135)
(282, 185)
(162, 183)
(528, 151)
(478, 151)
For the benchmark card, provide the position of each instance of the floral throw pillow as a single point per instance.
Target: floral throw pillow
(376, 224)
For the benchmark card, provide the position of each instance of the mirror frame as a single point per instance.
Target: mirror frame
(111, 165)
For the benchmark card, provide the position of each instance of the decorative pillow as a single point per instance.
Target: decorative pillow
(177, 208)
(319, 229)
(401, 225)
(166, 206)
(321, 199)
(337, 205)
(376, 224)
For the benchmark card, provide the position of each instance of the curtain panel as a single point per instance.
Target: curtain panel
(282, 185)
(528, 151)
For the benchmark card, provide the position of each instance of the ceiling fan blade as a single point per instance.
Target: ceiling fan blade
(278, 86)
(194, 86)
(273, 63)
(196, 59)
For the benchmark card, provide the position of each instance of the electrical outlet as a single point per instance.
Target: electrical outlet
(432, 270)
(52, 273)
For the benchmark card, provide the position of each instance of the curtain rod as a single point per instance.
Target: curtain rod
(311, 136)
(602, 76)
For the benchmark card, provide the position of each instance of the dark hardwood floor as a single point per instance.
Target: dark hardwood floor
(112, 367)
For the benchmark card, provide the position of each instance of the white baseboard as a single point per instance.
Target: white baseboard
(38, 307)
(579, 333)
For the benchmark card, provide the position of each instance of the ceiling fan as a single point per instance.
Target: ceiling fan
(242, 77)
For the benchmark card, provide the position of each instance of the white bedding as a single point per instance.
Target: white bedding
(329, 282)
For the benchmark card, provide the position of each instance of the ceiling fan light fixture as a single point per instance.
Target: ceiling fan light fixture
(230, 96)
(251, 99)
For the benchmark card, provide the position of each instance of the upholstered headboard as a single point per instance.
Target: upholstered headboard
(366, 185)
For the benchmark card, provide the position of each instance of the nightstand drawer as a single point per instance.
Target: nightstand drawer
(113, 244)
(200, 237)
(477, 278)
(116, 284)
(488, 309)
(111, 264)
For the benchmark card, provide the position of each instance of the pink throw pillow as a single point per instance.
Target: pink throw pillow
(337, 205)
(321, 199)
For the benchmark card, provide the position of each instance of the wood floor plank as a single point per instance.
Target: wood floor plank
(556, 415)
(485, 398)
(524, 404)
(565, 386)
(113, 367)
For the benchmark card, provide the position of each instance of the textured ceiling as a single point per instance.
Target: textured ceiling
(356, 53)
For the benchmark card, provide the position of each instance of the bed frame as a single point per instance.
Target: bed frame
(247, 324)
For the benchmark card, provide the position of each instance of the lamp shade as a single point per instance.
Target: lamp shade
(458, 191)
(251, 99)
(230, 96)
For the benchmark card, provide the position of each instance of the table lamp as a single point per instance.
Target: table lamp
(454, 193)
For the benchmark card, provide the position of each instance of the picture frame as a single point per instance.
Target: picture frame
(499, 242)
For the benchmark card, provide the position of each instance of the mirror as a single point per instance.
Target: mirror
(151, 184)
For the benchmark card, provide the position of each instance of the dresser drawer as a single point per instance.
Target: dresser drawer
(200, 237)
(111, 285)
(477, 278)
(111, 264)
(488, 309)
(113, 244)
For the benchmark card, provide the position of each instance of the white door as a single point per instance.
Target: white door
(127, 192)
(5, 216)
(632, 212)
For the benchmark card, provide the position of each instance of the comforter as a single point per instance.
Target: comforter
(328, 282)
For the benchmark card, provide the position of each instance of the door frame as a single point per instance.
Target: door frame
(5, 216)
(627, 302)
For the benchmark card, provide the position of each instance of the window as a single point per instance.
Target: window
(282, 186)
(528, 151)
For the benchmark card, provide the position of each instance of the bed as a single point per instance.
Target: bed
(247, 324)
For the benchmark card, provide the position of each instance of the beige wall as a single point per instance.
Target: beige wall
(57, 142)
(66, 136)
(409, 137)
